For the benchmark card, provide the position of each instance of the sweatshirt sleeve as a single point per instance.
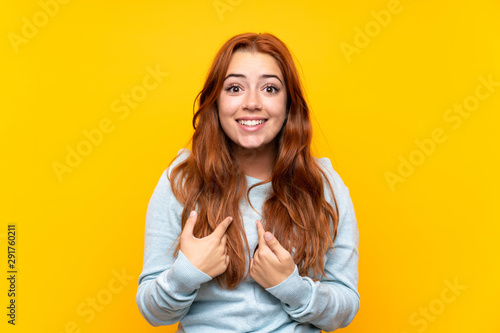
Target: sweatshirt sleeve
(332, 302)
(167, 285)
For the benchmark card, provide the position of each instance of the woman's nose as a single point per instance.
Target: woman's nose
(252, 100)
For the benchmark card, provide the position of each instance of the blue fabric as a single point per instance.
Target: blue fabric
(172, 290)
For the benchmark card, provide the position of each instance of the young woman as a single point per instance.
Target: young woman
(248, 232)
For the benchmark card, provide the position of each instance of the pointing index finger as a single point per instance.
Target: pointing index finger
(261, 232)
(222, 227)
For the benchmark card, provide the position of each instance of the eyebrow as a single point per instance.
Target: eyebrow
(262, 76)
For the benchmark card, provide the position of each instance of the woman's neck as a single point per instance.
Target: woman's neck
(257, 163)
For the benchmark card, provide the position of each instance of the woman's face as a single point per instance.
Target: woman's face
(252, 103)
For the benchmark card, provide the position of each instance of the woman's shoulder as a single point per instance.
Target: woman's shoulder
(341, 191)
(332, 174)
(347, 217)
(182, 154)
(163, 184)
(163, 191)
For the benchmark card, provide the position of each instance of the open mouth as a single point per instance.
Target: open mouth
(251, 123)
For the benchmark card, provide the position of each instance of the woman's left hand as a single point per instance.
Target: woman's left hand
(271, 263)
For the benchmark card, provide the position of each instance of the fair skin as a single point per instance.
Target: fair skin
(253, 88)
(208, 254)
(271, 263)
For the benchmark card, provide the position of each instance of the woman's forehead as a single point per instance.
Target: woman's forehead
(253, 63)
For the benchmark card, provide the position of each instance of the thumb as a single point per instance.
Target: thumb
(275, 246)
(191, 221)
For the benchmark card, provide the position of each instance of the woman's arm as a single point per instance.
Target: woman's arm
(167, 285)
(332, 302)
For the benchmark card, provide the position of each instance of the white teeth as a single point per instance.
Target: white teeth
(250, 122)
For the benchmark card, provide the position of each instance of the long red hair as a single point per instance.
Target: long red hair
(296, 212)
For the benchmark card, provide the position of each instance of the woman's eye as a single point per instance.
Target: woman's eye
(269, 89)
(272, 89)
(231, 89)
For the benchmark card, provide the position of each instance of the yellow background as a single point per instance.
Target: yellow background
(76, 232)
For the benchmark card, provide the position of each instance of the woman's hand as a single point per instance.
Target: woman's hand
(271, 263)
(208, 254)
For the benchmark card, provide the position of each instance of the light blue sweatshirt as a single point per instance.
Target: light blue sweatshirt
(172, 290)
